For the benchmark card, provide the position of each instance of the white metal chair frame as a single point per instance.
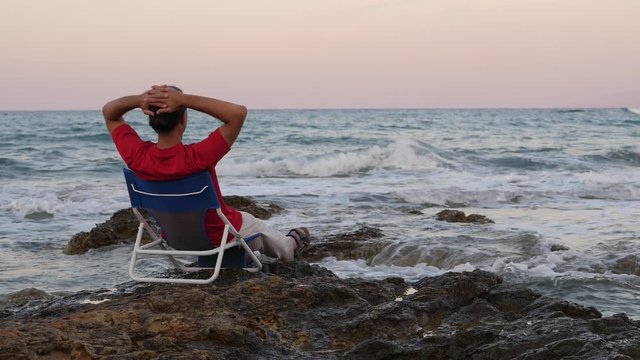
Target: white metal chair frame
(158, 245)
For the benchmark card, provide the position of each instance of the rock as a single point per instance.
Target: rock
(512, 301)
(23, 297)
(629, 264)
(249, 205)
(123, 226)
(412, 211)
(301, 311)
(344, 250)
(39, 215)
(360, 244)
(295, 270)
(461, 217)
(558, 247)
(364, 233)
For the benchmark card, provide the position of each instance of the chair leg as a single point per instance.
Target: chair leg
(134, 255)
(223, 244)
(257, 265)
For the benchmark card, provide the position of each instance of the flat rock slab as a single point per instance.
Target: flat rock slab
(302, 311)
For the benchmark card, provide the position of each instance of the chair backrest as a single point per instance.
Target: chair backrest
(179, 207)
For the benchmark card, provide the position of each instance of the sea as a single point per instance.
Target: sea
(561, 185)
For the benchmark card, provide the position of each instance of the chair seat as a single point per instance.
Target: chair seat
(234, 257)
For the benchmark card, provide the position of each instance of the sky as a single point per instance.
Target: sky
(79, 54)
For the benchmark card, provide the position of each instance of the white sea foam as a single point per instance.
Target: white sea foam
(359, 268)
(93, 302)
(22, 206)
(470, 189)
(61, 199)
(399, 155)
(521, 271)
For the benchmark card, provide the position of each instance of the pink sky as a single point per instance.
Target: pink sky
(77, 54)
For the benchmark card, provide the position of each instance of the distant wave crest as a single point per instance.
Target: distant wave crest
(401, 154)
(634, 110)
(624, 156)
(59, 199)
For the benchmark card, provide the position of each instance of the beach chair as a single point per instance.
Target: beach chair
(179, 207)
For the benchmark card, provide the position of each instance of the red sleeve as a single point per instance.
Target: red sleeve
(127, 142)
(209, 151)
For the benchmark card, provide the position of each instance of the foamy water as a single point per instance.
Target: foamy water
(547, 178)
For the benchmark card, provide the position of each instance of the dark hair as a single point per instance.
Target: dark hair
(165, 123)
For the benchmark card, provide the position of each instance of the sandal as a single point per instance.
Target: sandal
(302, 237)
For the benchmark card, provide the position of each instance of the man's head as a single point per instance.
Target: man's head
(166, 122)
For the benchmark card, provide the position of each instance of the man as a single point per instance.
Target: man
(170, 159)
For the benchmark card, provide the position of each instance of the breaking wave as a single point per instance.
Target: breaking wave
(399, 155)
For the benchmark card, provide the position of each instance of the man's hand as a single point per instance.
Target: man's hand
(157, 100)
(162, 99)
(170, 99)
(154, 100)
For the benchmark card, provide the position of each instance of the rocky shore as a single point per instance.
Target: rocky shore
(302, 311)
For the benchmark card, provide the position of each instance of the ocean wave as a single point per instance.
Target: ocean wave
(610, 184)
(11, 169)
(23, 200)
(65, 138)
(399, 155)
(460, 197)
(521, 163)
(625, 156)
(634, 110)
(444, 256)
(6, 162)
(25, 205)
(476, 190)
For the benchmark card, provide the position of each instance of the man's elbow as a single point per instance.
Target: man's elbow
(106, 111)
(240, 113)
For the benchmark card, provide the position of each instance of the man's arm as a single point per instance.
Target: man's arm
(232, 115)
(114, 110)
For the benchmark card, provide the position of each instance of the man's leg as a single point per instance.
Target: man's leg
(272, 243)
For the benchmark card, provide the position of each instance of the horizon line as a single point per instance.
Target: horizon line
(380, 108)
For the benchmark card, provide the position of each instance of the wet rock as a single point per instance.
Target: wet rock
(461, 217)
(364, 233)
(249, 205)
(512, 301)
(344, 250)
(629, 264)
(295, 270)
(363, 243)
(412, 211)
(123, 226)
(22, 297)
(301, 311)
(558, 247)
(39, 215)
